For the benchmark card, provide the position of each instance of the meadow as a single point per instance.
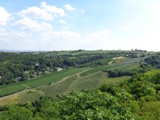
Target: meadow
(58, 88)
(70, 84)
(44, 80)
(71, 79)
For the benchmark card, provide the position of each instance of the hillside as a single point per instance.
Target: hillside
(136, 98)
(120, 76)
(23, 66)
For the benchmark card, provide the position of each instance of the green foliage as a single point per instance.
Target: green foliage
(78, 105)
(17, 113)
(30, 96)
(59, 88)
(103, 87)
(44, 80)
(93, 105)
(136, 98)
(15, 67)
(85, 83)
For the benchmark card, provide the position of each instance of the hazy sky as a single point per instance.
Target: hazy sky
(79, 24)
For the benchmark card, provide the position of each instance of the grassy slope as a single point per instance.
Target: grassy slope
(56, 76)
(59, 88)
(85, 52)
(73, 83)
(44, 80)
(87, 82)
(29, 96)
(105, 80)
(125, 64)
(88, 79)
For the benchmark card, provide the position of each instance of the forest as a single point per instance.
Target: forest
(92, 85)
(15, 67)
(138, 98)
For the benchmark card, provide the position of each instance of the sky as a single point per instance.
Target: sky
(48, 25)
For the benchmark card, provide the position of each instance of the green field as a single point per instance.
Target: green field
(30, 96)
(87, 82)
(105, 80)
(58, 88)
(73, 83)
(57, 76)
(84, 52)
(66, 81)
(44, 80)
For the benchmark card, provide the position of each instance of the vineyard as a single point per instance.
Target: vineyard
(58, 88)
(44, 80)
(30, 96)
(65, 81)
(87, 82)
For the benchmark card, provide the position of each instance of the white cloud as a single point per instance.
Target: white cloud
(44, 12)
(13, 36)
(95, 40)
(33, 25)
(65, 27)
(69, 7)
(62, 36)
(59, 40)
(36, 13)
(52, 9)
(62, 22)
(98, 36)
(5, 16)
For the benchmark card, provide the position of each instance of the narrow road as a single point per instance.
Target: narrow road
(28, 89)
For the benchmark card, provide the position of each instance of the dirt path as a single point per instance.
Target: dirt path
(8, 96)
(65, 78)
(68, 90)
(25, 85)
(36, 89)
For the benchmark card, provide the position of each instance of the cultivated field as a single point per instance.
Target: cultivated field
(44, 80)
(64, 82)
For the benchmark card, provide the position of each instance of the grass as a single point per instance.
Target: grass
(65, 86)
(10, 100)
(120, 65)
(30, 96)
(57, 53)
(105, 80)
(55, 77)
(117, 79)
(44, 80)
(101, 68)
(10, 89)
(59, 88)
(77, 52)
(87, 82)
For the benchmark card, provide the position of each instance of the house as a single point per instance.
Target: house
(19, 78)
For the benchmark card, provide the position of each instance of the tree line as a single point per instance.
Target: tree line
(137, 98)
(16, 67)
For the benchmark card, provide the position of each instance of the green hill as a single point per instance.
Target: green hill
(136, 98)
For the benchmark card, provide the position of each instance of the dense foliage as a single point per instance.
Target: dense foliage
(149, 63)
(19, 67)
(152, 61)
(122, 72)
(138, 98)
(23, 66)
